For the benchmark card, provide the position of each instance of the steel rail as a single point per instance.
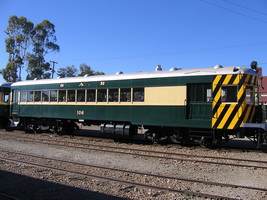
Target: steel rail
(160, 152)
(140, 173)
(147, 155)
(8, 196)
(197, 194)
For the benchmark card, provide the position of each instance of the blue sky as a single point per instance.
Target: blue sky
(137, 35)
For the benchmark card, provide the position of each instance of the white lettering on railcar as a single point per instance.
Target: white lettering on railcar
(80, 112)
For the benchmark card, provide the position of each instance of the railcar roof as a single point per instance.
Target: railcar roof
(143, 75)
(5, 84)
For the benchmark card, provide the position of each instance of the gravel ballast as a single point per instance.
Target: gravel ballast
(30, 182)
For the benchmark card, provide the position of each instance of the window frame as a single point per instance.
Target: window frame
(225, 99)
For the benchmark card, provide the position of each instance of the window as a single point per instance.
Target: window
(45, 96)
(30, 96)
(200, 92)
(256, 96)
(5, 98)
(209, 95)
(91, 95)
(37, 96)
(23, 96)
(71, 95)
(138, 94)
(113, 95)
(249, 95)
(62, 95)
(229, 93)
(101, 95)
(53, 96)
(125, 95)
(80, 95)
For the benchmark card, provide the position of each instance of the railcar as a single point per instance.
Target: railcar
(205, 105)
(4, 104)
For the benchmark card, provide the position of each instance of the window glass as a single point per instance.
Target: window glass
(71, 95)
(5, 98)
(209, 95)
(45, 96)
(256, 96)
(200, 92)
(138, 94)
(53, 96)
(91, 95)
(62, 95)
(125, 95)
(30, 96)
(80, 95)
(249, 95)
(101, 95)
(23, 96)
(229, 93)
(113, 95)
(15, 96)
(37, 96)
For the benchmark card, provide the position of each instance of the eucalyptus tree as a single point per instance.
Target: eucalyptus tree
(19, 31)
(87, 70)
(69, 71)
(43, 42)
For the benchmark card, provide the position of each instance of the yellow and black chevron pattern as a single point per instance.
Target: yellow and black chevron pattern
(232, 115)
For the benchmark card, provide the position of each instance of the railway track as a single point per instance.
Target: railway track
(23, 159)
(152, 153)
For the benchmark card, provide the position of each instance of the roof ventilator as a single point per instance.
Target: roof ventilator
(218, 66)
(175, 69)
(158, 68)
(119, 72)
(236, 69)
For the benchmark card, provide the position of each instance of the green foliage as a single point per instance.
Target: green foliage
(29, 44)
(37, 68)
(19, 31)
(21, 36)
(10, 72)
(85, 69)
(69, 71)
(98, 73)
(43, 42)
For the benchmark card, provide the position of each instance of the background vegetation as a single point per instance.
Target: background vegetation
(28, 44)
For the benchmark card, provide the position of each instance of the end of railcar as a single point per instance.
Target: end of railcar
(5, 89)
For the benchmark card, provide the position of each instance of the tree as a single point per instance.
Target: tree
(86, 70)
(20, 31)
(98, 73)
(44, 42)
(69, 71)
(10, 72)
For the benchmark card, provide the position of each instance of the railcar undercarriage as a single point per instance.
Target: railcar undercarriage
(182, 135)
(39, 125)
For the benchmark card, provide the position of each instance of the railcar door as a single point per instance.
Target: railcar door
(14, 103)
(199, 101)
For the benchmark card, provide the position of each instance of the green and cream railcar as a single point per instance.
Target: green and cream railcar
(4, 104)
(206, 104)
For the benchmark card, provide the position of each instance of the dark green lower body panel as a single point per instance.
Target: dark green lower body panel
(172, 116)
(4, 110)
